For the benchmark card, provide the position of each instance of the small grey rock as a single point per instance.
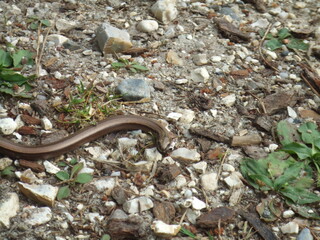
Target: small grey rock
(134, 89)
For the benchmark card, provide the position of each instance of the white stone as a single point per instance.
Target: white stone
(260, 23)
(216, 59)
(9, 206)
(300, 5)
(46, 123)
(126, 143)
(37, 216)
(7, 126)
(181, 81)
(272, 147)
(200, 166)
(288, 214)
(200, 59)
(97, 153)
(174, 115)
(164, 10)
(234, 181)
(165, 230)
(57, 39)
(290, 227)
(137, 205)
(105, 185)
(5, 162)
(94, 217)
(180, 181)
(50, 168)
(272, 54)
(187, 116)
(228, 167)
(148, 26)
(229, 100)
(152, 155)
(64, 25)
(209, 181)
(185, 154)
(291, 112)
(197, 204)
(200, 75)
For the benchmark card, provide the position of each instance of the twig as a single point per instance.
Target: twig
(221, 163)
(260, 47)
(182, 217)
(260, 101)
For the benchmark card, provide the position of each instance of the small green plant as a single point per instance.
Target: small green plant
(87, 102)
(129, 65)
(34, 22)
(71, 179)
(281, 172)
(11, 81)
(8, 171)
(284, 37)
(187, 232)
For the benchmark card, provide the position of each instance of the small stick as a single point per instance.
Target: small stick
(260, 47)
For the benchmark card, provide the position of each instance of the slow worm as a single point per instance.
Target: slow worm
(111, 124)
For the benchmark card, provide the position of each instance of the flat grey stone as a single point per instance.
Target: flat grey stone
(134, 89)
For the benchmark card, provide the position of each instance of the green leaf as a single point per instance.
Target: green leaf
(73, 161)
(300, 196)
(8, 171)
(139, 67)
(63, 175)
(288, 175)
(297, 44)
(105, 237)
(309, 132)
(187, 232)
(305, 211)
(62, 164)
(63, 192)
(76, 168)
(5, 59)
(273, 44)
(45, 22)
(83, 178)
(22, 57)
(118, 65)
(300, 149)
(287, 132)
(34, 25)
(284, 33)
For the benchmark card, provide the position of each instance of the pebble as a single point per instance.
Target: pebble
(290, 227)
(187, 116)
(111, 39)
(228, 167)
(200, 59)
(164, 10)
(209, 181)
(216, 59)
(37, 216)
(305, 234)
(288, 214)
(152, 155)
(272, 54)
(200, 166)
(57, 39)
(184, 154)
(272, 147)
(5, 162)
(94, 217)
(260, 23)
(200, 75)
(64, 25)
(292, 113)
(197, 204)
(9, 206)
(147, 26)
(229, 100)
(46, 124)
(164, 230)
(174, 116)
(234, 180)
(105, 185)
(181, 81)
(50, 168)
(137, 205)
(299, 5)
(43, 193)
(134, 89)
(180, 181)
(7, 126)
(173, 58)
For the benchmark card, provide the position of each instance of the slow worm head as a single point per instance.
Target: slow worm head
(111, 124)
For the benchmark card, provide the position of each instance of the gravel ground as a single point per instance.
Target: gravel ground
(201, 77)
